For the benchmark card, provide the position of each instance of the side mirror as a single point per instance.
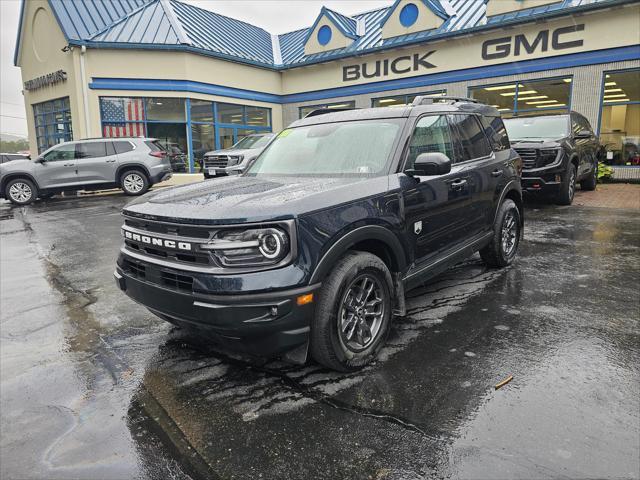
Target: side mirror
(40, 160)
(583, 134)
(431, 163)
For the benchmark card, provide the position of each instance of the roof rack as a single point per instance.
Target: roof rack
(425, 100)
(322, 111)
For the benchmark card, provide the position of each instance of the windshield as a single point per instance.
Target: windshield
(556, 126)
(331, 149)
(252, 141)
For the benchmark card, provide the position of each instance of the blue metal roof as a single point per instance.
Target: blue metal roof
(172, 24)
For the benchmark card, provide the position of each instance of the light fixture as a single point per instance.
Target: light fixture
(607, 76)
(554, 105)
(617, 95)
(340, 105)
(501, 87)
(610, 84)
(566, 80)
(539, 102)
(612, 90)
(524, 92)
(617, 100)
(503, 109)
(387, 100)
(537, 97)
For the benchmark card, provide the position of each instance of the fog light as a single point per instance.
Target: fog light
(304, 299)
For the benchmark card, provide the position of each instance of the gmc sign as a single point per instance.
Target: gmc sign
(519, 44)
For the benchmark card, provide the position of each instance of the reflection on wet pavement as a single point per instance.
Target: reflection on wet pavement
(94, 386)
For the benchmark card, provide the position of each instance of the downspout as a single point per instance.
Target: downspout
(85, 91)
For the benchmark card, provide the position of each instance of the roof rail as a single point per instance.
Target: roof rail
(322, 111)
(428, 100)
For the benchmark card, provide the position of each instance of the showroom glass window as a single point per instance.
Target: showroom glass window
(620, 117)
(211, 125)
(52, 122)
(531, 97)
(304, 111)
(399, 100)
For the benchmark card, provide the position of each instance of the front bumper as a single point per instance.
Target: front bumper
(257, 323)
(542, 181)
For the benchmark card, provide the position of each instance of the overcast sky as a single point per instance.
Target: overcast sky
(273, 16)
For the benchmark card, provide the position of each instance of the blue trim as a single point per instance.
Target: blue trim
(517, 68)
(187, 106)
(602, 89)
(323, 13)
(16, 52)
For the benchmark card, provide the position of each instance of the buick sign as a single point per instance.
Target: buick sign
(382, 68)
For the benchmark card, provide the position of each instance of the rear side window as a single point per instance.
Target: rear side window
(496, 133)
(91, 150)
(580, 123)
(471, 141)
(430, 135)
(155, 146)
(122, 147)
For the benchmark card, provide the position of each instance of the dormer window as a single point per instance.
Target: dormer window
(331, 31)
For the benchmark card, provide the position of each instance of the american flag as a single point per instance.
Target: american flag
(119, 115)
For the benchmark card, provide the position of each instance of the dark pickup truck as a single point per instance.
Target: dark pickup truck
(558, 151)
(312, 248)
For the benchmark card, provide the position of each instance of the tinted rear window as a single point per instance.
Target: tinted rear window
(496, 132)
(155, 146)
(123, 147)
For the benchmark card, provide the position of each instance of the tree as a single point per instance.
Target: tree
(14, 147)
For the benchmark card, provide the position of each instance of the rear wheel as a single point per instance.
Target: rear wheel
(353, 314)
(134, 182)
(507, 231)
(568, 186)
(20, 191)
(591, 182)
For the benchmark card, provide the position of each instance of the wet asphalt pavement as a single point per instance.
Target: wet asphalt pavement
(94, 386)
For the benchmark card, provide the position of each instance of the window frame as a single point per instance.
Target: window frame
(484, 134)
(55, 138)
(598, 129)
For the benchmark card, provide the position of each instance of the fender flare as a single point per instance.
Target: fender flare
(132, 166)
(511, 186)
(10, 176)
(368, 232)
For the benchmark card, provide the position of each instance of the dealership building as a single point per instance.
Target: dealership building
(199, 81)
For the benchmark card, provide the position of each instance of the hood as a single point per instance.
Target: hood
(23, 165)
(537, 143)
(241, 199)
(247, 152)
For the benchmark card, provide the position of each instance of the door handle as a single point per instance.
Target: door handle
(68, 165)
(111, 161)
(458, 184)
(496, 173)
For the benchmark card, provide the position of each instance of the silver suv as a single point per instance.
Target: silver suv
(133, 164)
(236, 158)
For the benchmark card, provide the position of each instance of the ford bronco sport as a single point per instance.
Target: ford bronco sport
(133, 164)
(312, 248)
(557, 151)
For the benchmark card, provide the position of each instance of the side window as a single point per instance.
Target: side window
(122, 147)
(61, 153)
(110, 149)
(430, 135)
(91, 150)
(580, 123)
(496, 133)
(471, 141)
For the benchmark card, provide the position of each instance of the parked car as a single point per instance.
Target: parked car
(8, 157)
(177, 157)
(234, 160)
(313, 247)
(133, 164)
(558, 151)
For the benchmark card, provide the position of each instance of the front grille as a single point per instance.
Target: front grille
(529, 157)
(168, 229)
(135, 269)
(176, 281)
(216, 161)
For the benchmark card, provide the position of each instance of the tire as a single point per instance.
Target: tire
(499, 254)
(20, 191)
(591, 182)
(206, 175)
(134, 182)
(350, 348)
(568, 186)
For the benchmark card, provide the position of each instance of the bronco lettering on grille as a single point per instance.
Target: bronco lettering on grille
(159, 242)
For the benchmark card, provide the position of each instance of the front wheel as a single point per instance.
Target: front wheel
(21, 191)
(507, 231)
(134, 182)
(353, 314)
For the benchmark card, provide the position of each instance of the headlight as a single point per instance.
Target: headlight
(235, 160)
(548, 156)
(249, 248)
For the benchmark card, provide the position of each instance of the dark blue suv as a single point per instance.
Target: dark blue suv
(311, 250)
